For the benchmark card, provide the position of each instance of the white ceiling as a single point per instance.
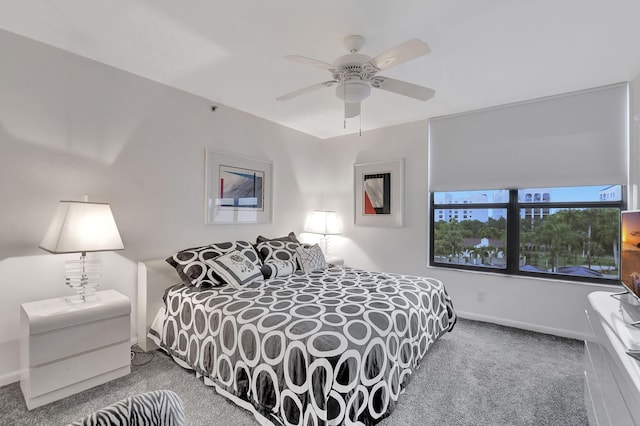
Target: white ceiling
(484, 52)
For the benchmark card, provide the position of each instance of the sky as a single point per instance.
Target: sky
(571, 194)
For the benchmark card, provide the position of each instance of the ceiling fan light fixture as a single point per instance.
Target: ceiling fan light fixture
(353, 91)
(355, 74)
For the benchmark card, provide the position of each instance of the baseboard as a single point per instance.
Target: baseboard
(7, 379)
(523, 325)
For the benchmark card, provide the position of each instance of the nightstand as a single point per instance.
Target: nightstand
(67, 348)
(335, 260)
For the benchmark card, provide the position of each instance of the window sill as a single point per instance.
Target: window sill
(595, 285)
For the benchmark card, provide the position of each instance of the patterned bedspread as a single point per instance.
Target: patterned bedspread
(328, 347)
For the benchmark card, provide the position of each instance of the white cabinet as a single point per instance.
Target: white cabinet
(70, 347)
(612, 377)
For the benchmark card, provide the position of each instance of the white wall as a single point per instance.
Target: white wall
(388, 249)
(547, 306)
(71, 126)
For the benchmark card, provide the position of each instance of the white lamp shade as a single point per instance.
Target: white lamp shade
(323, 222)
(79, 226)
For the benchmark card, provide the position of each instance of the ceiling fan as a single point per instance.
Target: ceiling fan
(355, 74)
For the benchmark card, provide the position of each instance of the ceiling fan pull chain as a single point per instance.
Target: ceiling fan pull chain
(344, 89)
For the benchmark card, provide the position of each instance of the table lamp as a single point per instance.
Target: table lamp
(81, 227)
(324, 222)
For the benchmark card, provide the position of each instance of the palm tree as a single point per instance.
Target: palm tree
(558, 237)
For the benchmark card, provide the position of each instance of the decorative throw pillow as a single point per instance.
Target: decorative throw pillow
(244, 247)
(235, 268)
(278, 250)
(311, 259)
(291, 237)
(278, 268)
(192, 267)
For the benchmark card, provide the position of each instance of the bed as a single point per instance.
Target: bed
(332, 345)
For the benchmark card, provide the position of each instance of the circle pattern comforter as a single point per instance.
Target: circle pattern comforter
(335, 346)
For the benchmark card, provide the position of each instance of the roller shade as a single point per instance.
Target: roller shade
(575, 139)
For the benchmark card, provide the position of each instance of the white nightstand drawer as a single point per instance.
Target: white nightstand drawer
(56, 375)
(54, 314)
(66, 342)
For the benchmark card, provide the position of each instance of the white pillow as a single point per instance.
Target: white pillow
(278, 268)
(312, 258)
(235, 268)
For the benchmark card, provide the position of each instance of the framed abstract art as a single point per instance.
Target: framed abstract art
(379, 193)
(237, 189)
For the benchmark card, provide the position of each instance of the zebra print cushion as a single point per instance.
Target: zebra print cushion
(161, 407)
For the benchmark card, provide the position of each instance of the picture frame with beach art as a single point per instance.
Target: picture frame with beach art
(237, 189)
(379, 193)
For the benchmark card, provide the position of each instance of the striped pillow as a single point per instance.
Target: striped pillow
(161, 407)
(278, 268)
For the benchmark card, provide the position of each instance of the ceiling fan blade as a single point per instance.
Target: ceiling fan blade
(403, 88)
(351, 109)
(305, 90)
(310, 61)
(404, 52)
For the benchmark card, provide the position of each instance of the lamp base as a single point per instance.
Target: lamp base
(83, 276)
(324, 245)
(78, 299)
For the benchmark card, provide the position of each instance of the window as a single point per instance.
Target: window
(572, 232)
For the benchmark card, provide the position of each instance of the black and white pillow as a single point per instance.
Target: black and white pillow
(244, 247)
(278, 268)
(190, 264)
(290, 237)
(312, 258)
(278, 250)
(192, 267)
(235, 269)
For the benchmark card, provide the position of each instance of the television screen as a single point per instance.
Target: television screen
(630, 259)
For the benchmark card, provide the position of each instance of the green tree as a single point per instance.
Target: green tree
(448, 238)
(605, 230)
(558, 237)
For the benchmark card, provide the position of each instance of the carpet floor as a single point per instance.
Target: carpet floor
(479, 374)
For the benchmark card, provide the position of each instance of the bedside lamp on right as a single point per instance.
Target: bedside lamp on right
(325, 223)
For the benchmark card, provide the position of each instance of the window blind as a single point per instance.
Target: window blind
(574, 139)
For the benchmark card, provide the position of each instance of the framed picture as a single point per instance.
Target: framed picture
(379, 193)
(237, 189)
